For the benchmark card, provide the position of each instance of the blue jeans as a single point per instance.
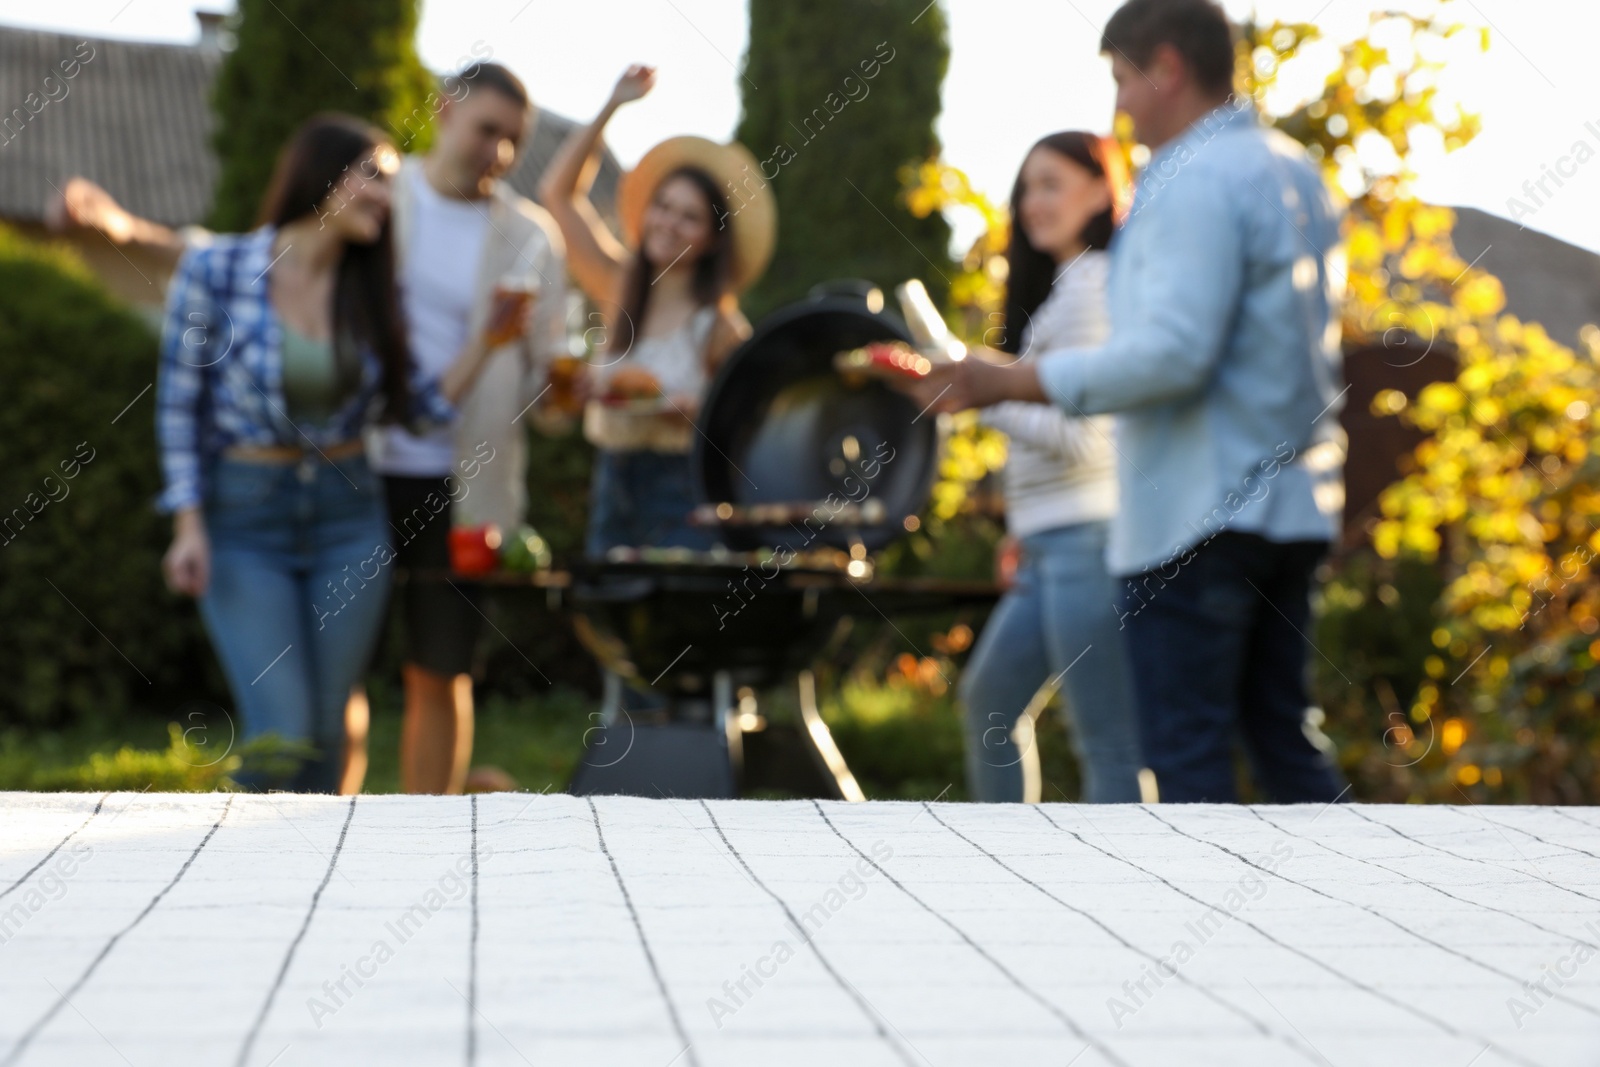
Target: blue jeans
(1218, 648)
(300, 571)
(1061, 609)
(639, 499)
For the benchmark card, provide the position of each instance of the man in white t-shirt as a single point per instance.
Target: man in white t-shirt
(460, 233)
(438, 284)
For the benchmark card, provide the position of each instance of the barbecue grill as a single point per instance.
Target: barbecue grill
(804, 473)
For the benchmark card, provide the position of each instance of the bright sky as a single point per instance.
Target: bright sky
(1019, 69)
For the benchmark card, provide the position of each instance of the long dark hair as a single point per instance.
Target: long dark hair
(713, 271)
(1032, 272)
(366, 299)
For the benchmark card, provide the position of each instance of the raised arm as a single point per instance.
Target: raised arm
(82, 204)
(595, 257)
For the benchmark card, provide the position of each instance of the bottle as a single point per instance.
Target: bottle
(928, 330)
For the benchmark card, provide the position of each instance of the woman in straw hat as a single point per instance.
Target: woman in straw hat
(672, 316)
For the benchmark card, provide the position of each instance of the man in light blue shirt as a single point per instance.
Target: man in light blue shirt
(1223, 369)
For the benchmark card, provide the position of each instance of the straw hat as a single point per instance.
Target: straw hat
(752, 211)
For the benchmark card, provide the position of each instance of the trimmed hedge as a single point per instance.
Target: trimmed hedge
(296, 58)
(88, 623)
(839, 96)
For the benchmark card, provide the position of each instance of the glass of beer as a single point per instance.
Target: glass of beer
(513, 293)
(563, 382)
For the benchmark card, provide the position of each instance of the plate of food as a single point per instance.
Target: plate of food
(635, 391)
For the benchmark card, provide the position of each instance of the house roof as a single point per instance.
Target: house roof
(1546, 280)
(137, 119)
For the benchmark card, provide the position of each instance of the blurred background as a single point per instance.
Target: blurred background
(1458, 626)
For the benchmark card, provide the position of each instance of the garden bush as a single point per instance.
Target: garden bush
(88, 624)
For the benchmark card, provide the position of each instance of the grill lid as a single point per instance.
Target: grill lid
(835, 462)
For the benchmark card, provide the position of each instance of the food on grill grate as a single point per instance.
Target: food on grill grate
(867, 513)
(783, 558)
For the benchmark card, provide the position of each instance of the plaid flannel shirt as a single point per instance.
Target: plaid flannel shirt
(220, 381)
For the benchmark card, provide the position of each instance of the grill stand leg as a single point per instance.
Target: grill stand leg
(829, 759)
(610, 697)
(725, 716)
(627, 757)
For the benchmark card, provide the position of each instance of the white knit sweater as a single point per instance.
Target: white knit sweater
(1060, 468)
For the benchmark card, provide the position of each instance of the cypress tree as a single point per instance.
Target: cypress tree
(295, 58)
(839, 96)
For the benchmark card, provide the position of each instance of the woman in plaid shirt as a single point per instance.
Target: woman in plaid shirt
(279, 346)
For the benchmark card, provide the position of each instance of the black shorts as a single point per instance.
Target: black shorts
(443, 620)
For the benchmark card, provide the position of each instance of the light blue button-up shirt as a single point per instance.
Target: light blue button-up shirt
(1223, 364)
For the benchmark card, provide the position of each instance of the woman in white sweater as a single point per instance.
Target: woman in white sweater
(1057, 626)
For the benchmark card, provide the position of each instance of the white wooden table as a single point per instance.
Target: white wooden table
(158, 930)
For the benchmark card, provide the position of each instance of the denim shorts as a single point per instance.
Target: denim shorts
(642, 499)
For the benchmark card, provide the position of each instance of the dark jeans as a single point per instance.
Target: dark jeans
(1218, 648)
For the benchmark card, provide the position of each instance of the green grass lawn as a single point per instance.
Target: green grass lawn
(535, 740)
(901, 741)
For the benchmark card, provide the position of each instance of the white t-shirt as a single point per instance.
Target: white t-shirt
(438, 280)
